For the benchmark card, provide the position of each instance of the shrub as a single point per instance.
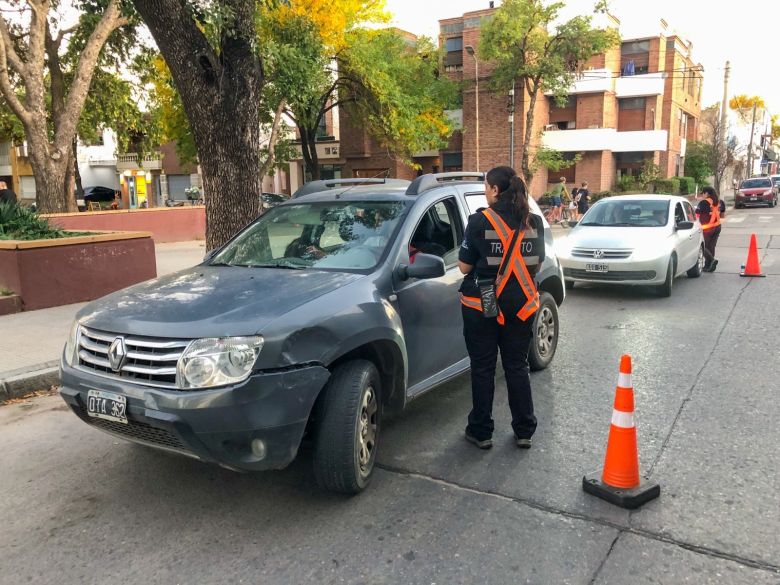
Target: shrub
(600, 195)
(687, 186)
(668, 186)
(22, 223)
(626, 183)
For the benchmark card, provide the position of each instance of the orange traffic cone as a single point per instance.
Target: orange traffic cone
(752, 267)
(619, 482)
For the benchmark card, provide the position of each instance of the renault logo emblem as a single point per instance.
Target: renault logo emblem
(598, 253)
(117, 354)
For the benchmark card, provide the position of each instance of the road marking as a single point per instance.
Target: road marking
(765, 218)
(739, 219)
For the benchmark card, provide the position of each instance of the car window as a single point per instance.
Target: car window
(628, 213)
(332, 235)
(679, 214)
(477, 201)
(439, 232)
(755, 183)
(689, 215)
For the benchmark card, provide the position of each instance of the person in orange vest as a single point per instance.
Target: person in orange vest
(708, 212)
(502, 250)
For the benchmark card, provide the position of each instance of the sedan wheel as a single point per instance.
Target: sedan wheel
(665, 289)
(545, 340)
(696, 270)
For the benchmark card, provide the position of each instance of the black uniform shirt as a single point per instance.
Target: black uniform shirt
(482, 248)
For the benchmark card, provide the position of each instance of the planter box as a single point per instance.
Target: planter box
(10, 304)
(49, 273)
(166, 224)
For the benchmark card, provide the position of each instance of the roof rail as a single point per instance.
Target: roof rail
(327, 184)
(427, 182)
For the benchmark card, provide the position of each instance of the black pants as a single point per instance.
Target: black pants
(710, 241)
(484, 337)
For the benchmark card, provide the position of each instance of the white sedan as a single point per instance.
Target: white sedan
(635, 240)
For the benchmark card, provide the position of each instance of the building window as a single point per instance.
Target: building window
(327, 172)
(448, 29)
(677, 165)
(632, 103)
(634, 57)
(454, 49)
(452, 161)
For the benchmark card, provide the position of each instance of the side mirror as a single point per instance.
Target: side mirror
(425, 266)
(573, 223)
(684, 225)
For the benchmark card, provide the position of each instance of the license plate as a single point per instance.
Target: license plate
(754, 198)
(596, 268)
(107, 405)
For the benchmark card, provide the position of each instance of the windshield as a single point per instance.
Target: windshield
(332, 235)
(756, 183)
(628, 213)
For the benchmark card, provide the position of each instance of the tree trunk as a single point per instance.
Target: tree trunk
(49, 176)
(309, 150)
(221, 94)
(529, 125)
(76, 171)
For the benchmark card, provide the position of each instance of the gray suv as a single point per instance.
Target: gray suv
(325, 314)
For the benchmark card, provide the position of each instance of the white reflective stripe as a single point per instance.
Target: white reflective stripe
(531, 233)
(491, 235)
(624, 380)
(624, 420)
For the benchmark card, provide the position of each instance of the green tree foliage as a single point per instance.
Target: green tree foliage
(698, 161)
(553, 160)
(527, 48)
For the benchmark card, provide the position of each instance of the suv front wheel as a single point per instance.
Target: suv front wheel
(347, 428)
(545, 339)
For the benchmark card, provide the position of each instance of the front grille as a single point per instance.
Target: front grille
(141, 431)
(611, 276)
(150, 361)
(604, 254)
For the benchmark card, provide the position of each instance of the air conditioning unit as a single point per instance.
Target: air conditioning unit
(21, 151)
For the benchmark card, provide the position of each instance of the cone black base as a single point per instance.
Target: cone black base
(629, 499)
(752, 275)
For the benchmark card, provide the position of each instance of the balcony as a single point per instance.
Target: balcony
(640, 85)
(330, 150)
(102, 161)
(595, 139)
(129, 162)
(591, 81)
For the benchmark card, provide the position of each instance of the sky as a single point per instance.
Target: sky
(745, 33)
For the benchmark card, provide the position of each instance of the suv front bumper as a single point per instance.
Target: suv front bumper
(217, 425)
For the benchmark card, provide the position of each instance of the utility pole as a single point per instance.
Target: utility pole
(470, 50)
(750, 148)
(511, 108)
(722, 137)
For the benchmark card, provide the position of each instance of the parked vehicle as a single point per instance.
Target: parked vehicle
(636, 240)
(756, 191)
(323, 315)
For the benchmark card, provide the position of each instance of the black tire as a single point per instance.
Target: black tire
(341, 414)
(665, 289)
(771, 204)
(569, 284)
(737, 206)
(696, 270)
(545, 333)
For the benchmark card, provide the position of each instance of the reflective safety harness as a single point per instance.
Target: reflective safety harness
(514, 266)
(714, 215)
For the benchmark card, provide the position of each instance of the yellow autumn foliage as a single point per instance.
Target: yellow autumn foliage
(332, 18)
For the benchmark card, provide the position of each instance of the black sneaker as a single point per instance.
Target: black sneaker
(523, 443)
(483, 444)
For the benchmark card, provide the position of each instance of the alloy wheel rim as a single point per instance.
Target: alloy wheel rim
(701, 260)
(367, 430)
(545, 332)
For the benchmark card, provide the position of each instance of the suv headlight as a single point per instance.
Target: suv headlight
(72, 345)
(217, 361)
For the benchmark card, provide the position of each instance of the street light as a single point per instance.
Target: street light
(470, 50)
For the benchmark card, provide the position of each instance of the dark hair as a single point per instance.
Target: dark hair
(511, 190)
(710, 192)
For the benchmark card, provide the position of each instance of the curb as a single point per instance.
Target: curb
(17, 383)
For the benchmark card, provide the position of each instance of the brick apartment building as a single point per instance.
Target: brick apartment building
(639, 101)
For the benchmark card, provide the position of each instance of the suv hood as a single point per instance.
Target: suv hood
(207, 301)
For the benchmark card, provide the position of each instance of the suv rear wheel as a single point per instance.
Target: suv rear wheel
(347, 428)
(545, 339)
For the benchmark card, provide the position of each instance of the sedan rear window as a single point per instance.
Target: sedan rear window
(627, 213)
(756, 183)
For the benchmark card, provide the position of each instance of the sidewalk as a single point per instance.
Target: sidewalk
(31, 341)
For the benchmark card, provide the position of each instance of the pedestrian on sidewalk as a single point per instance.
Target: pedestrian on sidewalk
(6, 195)
(708, 212)
(502, 250)
(583, 200)
(558, 193)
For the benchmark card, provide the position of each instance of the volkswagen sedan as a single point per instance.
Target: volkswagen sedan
(634, 240)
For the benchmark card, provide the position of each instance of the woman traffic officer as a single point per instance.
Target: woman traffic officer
(502, 250)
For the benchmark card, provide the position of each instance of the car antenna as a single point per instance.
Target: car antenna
(386, 172)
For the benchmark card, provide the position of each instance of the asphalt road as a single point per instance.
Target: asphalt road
(77, 506)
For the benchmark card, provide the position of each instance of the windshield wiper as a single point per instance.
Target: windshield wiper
(277, 265)
(220, 264)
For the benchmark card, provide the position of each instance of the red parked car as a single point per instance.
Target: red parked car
(756, 191)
